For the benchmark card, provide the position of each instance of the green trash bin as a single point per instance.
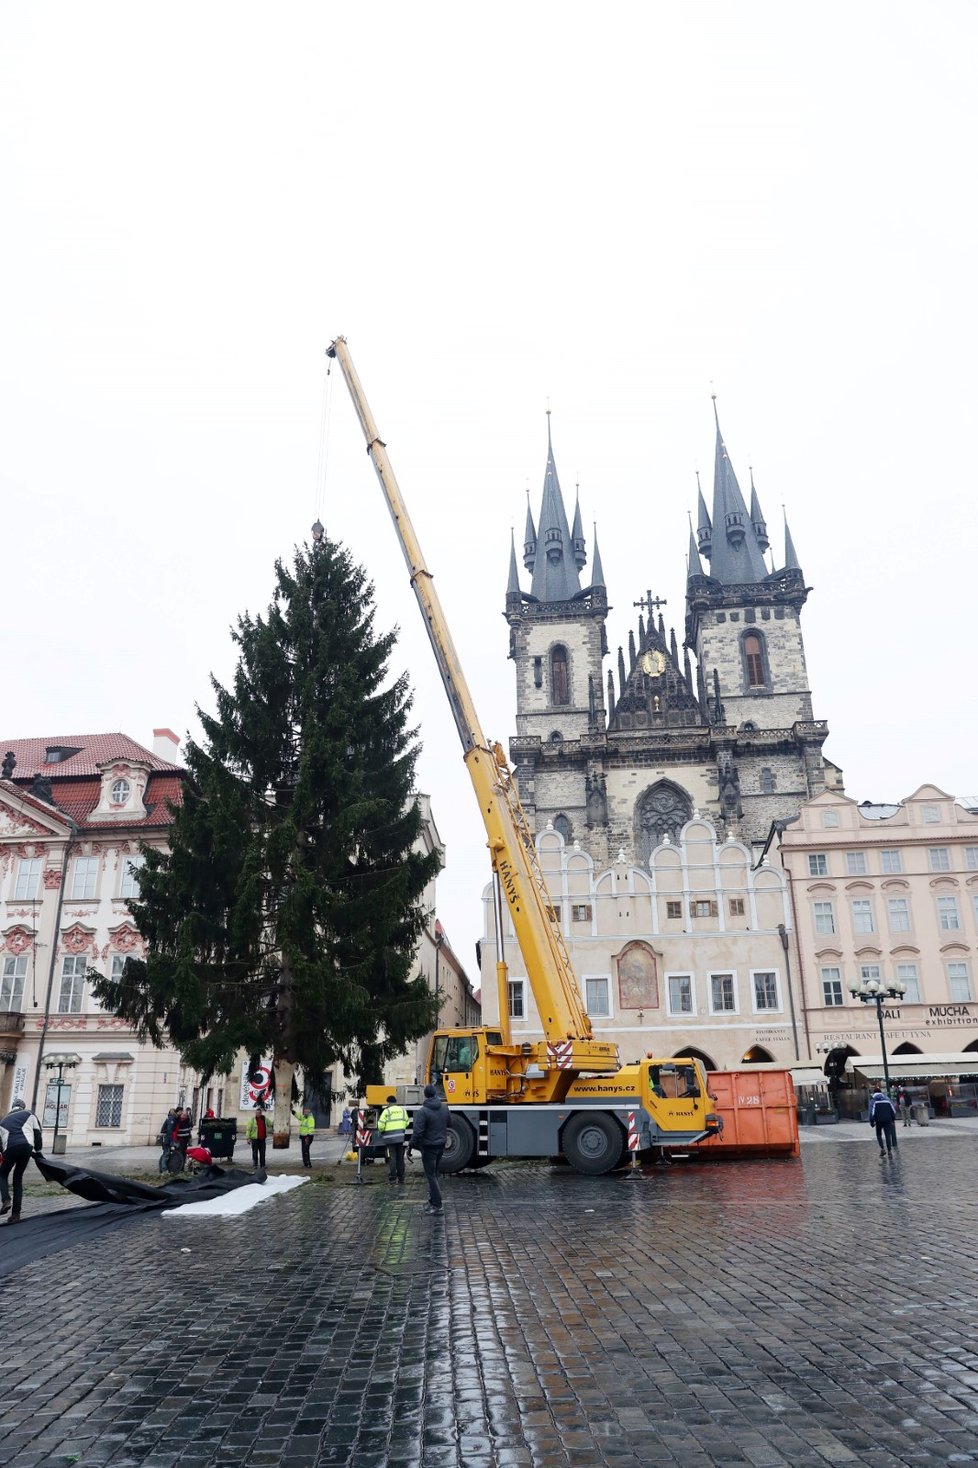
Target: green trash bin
(219, 1134)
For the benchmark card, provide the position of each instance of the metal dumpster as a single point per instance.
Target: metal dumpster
(219, 1134)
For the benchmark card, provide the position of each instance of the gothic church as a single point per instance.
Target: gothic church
(618, 761)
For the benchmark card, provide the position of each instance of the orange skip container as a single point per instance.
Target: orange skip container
(759, 1112)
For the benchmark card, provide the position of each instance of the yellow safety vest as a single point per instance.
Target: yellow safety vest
(393, 1119)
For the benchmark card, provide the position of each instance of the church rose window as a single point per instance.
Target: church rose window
(662, 811)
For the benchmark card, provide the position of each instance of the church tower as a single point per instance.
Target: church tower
(557, 640)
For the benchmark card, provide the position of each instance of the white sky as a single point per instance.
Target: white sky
(610, 208)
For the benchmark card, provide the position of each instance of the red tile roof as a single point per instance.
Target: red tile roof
(93, 750)
(78, 798)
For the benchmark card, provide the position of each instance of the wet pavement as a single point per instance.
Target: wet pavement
(766, 1313)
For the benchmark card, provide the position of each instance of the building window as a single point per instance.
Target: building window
(681, 994)
(856, 863)
(869, 971)
(28, 879)
(932, 815)
(563, 825)
(768, 782)
(736, 907)
(553, 913)
(818, 864)
(674, 909)
(971, 858)
(899, 914)
(581, 912)
(108, 1107)
(559, 681)
(824, 917)
(131, 867)
(120, 792)
(862, 916)
(704, 908)
(754, 660)
(907, 973)
(598, 997)
(832, 987)
(959, 983)
(517, 999)
(72, 984)
(830, 820)
(947, 914)
(766, 991)
(85, 876)
(12, 984)
(723, 995)
(538, 672)
(118, 966)
(890, 862)
(940, 859)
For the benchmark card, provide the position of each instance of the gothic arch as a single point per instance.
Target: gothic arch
(690, 1052)
(753, 657)
(907, 1049)
(661, 811)
(563, 825)
(757, 1055)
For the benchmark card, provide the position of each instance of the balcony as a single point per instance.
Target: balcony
(11, 1025)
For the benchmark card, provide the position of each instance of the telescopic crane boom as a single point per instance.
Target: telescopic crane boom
(520, 885)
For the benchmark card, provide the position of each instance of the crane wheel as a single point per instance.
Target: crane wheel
(593, 1143)
(459, 1145)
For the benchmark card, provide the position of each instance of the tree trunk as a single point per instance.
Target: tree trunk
(281, 1124)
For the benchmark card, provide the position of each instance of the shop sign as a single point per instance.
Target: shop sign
(950, 1014)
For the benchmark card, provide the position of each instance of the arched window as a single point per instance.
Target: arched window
(662, 811)
(754, 660)
(563, 825)
(559, 680)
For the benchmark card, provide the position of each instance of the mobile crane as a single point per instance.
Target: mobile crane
(567, 1093)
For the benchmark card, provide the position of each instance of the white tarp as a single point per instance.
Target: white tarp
(238, 1201)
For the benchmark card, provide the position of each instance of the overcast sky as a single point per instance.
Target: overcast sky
(616, 209)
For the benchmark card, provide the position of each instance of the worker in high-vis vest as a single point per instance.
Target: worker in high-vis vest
(307, 1130)
(392, 1126)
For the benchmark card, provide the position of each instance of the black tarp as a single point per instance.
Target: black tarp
(113, 1200)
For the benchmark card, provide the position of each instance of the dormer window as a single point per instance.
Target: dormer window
(120, 792)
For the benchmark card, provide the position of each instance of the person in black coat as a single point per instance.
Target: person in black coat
(20, 1140)
(428, 1135)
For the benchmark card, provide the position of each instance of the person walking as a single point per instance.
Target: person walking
(256, 1131)
(392, 1125)
(428, 1134)
(20, 1140)
(882, 1115)
(167, 1131)
(307, 1130)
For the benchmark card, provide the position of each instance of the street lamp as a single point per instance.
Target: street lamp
(60, 1063)
(874, 991)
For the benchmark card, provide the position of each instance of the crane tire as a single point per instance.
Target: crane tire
(459, 1145)
(592, 1142)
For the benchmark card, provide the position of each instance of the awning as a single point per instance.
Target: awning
(807, 1075)
(905, 1067)
(119, 1056)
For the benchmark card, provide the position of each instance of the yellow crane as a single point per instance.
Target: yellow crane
(567, 1093)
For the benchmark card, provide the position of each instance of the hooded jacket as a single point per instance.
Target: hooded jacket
(430, 1124)
(20, 1130)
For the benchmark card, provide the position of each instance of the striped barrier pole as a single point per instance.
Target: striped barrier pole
(633, 1145)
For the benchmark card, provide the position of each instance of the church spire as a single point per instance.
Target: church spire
(704, 526)
(513, 585)
(756, 517)
(790, 559)
(555, 571)
(529, 537)
(737, 558)
(693, 567)
(580, 553)
(597, 570)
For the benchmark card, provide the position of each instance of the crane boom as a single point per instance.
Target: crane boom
(566, 1024)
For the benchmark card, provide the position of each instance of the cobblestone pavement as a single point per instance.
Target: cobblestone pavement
(805, 1313)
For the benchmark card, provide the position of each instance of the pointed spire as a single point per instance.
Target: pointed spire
(513, 585)
(555, 574)
(621, 670)
(693, 558)
(673, 646)
(790, 559)
(631, 649)
(577, 534)
(641, 630)
(736, 557)
(597, 570)
(756, 517)
(611, 692)
(529, 538)
(662, 627)
(704, 525)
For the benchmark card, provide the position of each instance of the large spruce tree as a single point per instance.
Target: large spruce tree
(285, 916)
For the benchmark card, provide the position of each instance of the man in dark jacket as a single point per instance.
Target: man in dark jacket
(20, 1138)
(428, 1134)
(882, 1115)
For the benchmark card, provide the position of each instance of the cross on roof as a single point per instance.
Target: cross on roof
(647, 601)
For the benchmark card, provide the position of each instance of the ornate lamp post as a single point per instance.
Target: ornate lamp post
(60, 1063)
(873, 991)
